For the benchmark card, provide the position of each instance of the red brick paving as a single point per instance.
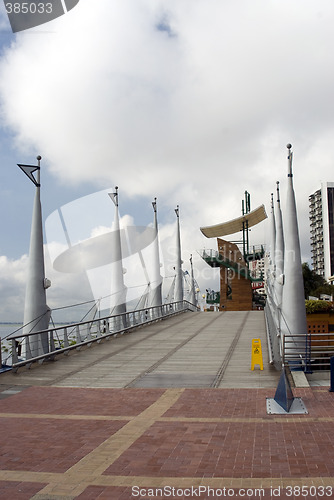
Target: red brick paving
(126, 493)
(232, 403)
(236, 450)
(77, 401)
(18, 490)
(249, 444)
(48, 445)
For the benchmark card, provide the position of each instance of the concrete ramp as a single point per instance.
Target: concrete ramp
(195, 350)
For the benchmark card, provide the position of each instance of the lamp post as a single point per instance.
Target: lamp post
(156, 282)
(279, 258)
(293, 301)
(192, 298)
(36, 312)
(118, 288)
(178, 295)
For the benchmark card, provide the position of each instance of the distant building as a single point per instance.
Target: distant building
(257, 271)
(321, 214)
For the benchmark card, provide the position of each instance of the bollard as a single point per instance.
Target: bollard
(331, 389)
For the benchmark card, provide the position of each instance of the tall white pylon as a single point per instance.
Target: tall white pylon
(36, 312)
(118, 288)
(155, 294)
(279, 257)
(192, 298)
(271, 256)
(272, 229)
(178, 291)
(293, 302)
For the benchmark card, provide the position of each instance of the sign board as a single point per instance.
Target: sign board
(257, 354)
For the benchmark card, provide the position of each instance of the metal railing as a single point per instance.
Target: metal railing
(274, 339)
(314, 351)
(62, 339)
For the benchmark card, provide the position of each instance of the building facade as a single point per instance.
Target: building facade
(321, 214)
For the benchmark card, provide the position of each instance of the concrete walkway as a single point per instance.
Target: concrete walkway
(189, 350)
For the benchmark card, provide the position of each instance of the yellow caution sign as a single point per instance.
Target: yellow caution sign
(257, 353)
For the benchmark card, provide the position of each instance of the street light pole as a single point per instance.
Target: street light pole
(36, 312)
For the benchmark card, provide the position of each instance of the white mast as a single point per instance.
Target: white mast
(271, 257)
(272, 228)
(118, 288)
(192, 298)
(36, 312)
(293, 302)
(279, 258)
(178, 294)
(155, 298)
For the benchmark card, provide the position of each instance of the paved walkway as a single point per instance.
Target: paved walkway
(188, 350)
(62, 441)
(66, 443)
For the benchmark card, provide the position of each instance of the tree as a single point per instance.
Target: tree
(313, 282)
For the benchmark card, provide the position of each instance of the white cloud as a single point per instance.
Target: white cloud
(109, 96)
(190, 101)
(12, 287)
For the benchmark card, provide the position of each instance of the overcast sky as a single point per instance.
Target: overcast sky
(191, 101)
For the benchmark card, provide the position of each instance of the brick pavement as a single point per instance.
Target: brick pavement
(67, 443)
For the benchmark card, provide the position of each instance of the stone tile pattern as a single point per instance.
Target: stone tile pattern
(99, 443)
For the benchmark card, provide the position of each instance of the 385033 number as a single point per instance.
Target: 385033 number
(28, 8)
(308, 491)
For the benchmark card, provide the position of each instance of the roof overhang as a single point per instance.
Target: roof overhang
(235, 225)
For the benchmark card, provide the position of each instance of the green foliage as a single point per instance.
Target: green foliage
(318, 306)
(312, 281)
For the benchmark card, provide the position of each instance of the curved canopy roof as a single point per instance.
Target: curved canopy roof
(235, 225)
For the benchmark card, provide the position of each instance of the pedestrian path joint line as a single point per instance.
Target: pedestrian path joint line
(65, 417)
(155, 482)
(75, 480)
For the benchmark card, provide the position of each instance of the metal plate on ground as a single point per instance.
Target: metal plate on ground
(166, 380)
(11, 391)
(297, 407)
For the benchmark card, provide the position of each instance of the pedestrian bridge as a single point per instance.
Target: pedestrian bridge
(189, 349)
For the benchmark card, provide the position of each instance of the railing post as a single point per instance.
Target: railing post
(15, 358)
(102, 327)
(78, 334)
(89, 335)
(66, 343)
(331, 389)
(0, 354)
(308, 349)
(52, 343)
(28, 349)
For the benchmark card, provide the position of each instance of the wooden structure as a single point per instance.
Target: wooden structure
(235, 279)
(235, 285)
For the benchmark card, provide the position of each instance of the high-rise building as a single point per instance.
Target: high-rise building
(321, 214)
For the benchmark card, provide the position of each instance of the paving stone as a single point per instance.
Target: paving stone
(64, 442)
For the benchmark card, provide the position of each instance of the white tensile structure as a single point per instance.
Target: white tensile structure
(192, 295)
(271, 257)
(285, 283)
(279, 258)
(36, 312)
(178, 290)
(155, 285)
(285, 311)
(293, 301)
(118, 288)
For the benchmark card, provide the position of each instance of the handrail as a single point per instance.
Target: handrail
(315, 350)
(274, 338)
(76, 335)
